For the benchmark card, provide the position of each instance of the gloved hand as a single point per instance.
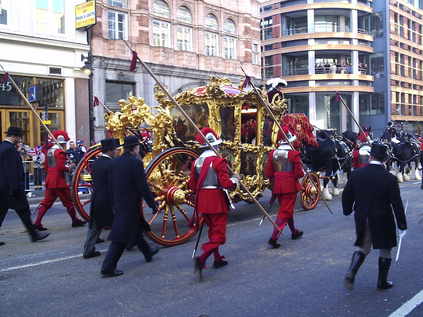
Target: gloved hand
(402, 233)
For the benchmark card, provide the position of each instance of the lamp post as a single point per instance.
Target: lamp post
(88, 70)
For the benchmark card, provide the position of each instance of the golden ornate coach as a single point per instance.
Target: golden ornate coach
(235, 114)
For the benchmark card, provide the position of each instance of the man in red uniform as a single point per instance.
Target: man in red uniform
(209, 179)
(56, 185)
(284, 168)
(361, 156)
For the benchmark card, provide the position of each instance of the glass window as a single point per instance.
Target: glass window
(229, 47)
(50, 16)
(184, 15)
(229, 26)
(3, 11)
(116, 91)
(118, 3)
(211, 22)
(183, 38)
(211, 43)
(117, 25)
(161, 33)
(161, 8)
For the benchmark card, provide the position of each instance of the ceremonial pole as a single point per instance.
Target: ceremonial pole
(243, 187)
(29, 105)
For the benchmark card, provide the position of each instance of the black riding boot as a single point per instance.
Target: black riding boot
(356, 261)
(382, 280)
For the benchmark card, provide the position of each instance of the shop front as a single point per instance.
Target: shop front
(46, 96)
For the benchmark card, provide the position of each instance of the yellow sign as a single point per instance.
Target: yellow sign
(47, 122)
(85, 14)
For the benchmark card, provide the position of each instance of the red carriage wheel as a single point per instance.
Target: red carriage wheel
(82, 183)
(168, 176)
(311, 191)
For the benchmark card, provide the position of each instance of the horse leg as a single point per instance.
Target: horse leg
(406, 171)
(400, 175)
(336, 191)
(417, 169)
(325, 193)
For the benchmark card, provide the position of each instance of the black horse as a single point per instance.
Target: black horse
(331, 156)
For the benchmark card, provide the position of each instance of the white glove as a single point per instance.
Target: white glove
(402, 233)
(235, 180)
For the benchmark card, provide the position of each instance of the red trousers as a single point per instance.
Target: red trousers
(50, 196)
(285, 214)
(217, 235)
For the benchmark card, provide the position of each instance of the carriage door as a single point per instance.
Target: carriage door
(250, 139)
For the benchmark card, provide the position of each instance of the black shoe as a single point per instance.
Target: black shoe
(274, 243)
(38, 236)
(356, 261)
(149, 256)
(112, 273)
(91, 255)
(297, 234)
(198, 268)
(220, 263)
(78, 223)
(382, 280)
(99, 240)
(40, 227)
(2, 243)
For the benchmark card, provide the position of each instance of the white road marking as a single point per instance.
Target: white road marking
(408, 306)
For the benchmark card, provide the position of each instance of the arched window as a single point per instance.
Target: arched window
(211, 22)
(229, 26)
(184, 15)
(161, 8)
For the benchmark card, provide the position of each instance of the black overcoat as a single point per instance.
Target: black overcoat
(12, 177)
(129, 188)
(373, 193)
(102, 197)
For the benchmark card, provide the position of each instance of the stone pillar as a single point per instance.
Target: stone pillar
(310, 21)
(312, 112)
(354, 21)
(354, 59)
(356, 110)
(311, 62)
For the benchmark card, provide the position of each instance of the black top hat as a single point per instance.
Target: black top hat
(130, 141)
(109, 144)
(14, 131)
(379, 151)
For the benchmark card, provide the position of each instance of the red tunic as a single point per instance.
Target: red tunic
(356, 162)
(56, 175)
(285, 182)
(211, 201)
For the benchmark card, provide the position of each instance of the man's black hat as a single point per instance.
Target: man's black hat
(109, 144)
(379, 152)
(130, 141)
(14, 131)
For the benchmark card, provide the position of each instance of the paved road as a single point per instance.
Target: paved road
(303, 278)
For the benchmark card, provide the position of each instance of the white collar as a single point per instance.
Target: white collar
(105, 155)
(208, 153)
(375, 162)
(284, 147)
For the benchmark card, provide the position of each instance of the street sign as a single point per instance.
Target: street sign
(85, 14)
(47, 122)
(32, 94)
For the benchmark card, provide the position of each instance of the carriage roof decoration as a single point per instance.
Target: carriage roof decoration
(238, 117)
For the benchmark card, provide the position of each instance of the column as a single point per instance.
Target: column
(310, 21)
(312, 112)
(356, 110)
(311, 62)
(354, 21)
(99, 90)
(70, 114)
(354, 59)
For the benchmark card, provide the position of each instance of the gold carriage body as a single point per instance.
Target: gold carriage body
(236, 115)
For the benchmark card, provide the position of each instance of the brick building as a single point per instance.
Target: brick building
(183, 41)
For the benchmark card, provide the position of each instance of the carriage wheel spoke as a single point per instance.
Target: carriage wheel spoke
(175, 225)
(154, 217)
(165, 219)
(182, 211)
(157, 187)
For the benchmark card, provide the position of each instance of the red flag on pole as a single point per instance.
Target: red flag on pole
(96, 102)
(4, 78)
(134, 59)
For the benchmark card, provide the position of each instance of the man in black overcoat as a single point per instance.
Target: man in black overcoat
(130, 186)
(12, 183)
(374, 195)
(101, 199)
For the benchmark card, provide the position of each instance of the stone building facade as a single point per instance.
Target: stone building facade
(183, 41)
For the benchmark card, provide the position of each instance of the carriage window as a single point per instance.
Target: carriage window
(249, 124)
(228, 123)
(199, 114)
(267, 131)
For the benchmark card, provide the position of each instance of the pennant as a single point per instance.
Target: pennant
(133, 66)
(96, 101)
(4, 78)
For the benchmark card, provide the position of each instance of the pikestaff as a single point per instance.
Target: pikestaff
(7, 75)
(269, 110)
(243, 187)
